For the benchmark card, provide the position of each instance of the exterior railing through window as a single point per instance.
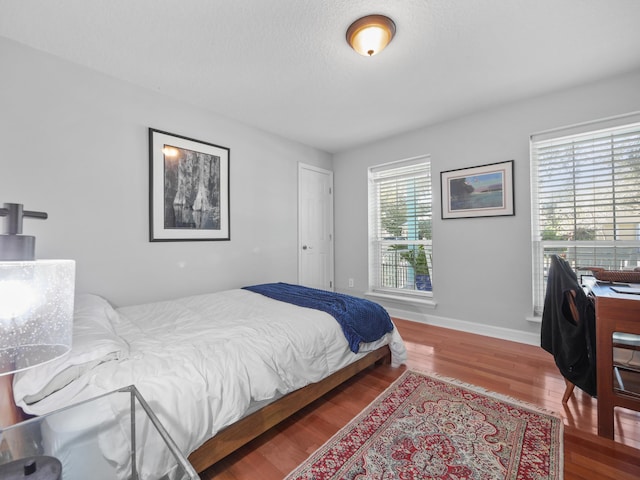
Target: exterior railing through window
(405, 265)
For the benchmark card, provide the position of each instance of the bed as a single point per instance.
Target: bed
(217, 369)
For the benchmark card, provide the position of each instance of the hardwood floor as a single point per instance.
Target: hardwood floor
(520, 371)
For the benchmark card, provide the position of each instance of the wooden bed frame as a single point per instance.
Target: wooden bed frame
(243, 431)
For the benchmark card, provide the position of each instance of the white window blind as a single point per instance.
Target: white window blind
(586, 198)
(400, 253)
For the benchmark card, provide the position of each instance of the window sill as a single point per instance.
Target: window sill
(407, 299)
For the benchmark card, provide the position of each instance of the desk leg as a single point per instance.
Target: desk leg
(604, 374)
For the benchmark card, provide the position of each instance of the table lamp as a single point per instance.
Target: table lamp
(36, 324)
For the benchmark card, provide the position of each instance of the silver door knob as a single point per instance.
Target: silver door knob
(305, 247)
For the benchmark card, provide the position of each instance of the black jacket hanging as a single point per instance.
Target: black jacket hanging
(570, 340)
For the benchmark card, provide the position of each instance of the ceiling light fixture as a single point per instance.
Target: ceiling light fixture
(371, 34)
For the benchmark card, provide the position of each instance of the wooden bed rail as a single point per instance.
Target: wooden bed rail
(243, 431)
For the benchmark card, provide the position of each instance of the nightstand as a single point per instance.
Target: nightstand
(112, 436)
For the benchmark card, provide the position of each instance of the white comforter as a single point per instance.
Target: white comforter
(201, 362)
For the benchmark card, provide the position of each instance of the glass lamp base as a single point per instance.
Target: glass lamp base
(34, 468)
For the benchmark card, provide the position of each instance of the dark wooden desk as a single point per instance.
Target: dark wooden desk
(615, 312)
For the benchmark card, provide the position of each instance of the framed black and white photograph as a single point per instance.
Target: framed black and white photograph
(482, 191)
(188, 189)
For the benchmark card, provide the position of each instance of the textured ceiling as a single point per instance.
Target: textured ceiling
(284, 66)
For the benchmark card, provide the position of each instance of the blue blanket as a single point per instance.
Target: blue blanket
(361, 320)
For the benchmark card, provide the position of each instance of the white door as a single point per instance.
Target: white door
(315, 227)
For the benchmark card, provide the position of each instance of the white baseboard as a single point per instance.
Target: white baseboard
(470, 327)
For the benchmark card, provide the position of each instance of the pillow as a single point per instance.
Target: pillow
(94, 342)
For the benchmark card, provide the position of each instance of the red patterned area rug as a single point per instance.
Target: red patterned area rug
(426, 427)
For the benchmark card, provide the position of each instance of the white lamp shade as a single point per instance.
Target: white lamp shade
(36, 312)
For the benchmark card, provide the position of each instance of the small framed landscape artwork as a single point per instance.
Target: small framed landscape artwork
(188, 189)
(482, 191)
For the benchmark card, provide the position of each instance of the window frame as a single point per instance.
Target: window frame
(583, 252)
(378, 243)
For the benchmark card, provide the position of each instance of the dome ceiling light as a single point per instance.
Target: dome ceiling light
(371, 34)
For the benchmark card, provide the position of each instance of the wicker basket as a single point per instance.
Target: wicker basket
(631, 276)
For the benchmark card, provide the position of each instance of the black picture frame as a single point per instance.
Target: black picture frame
(481, 191)
(189, 194)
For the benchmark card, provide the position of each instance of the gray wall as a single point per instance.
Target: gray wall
(74, 144)
(482, 266)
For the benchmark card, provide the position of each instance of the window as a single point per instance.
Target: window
(400, 253)
(585, 185)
